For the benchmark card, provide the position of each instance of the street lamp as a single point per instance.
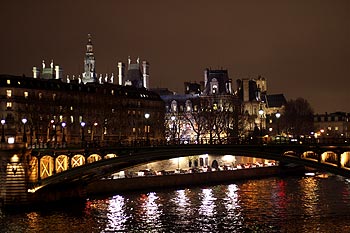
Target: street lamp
(147, 115)
(2, 130)
(24, 121)
(63, 124)
(278, 115)
(82, 124)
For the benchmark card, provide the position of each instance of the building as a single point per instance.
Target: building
(332, 125)
(43, 111)
(47, 109)
(259, 109)
(206, 113)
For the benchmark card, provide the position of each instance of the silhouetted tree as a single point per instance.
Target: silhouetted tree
(298, 117)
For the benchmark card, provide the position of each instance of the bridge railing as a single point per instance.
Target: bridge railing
(231, 141)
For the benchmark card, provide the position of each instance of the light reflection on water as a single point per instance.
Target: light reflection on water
(290, 204)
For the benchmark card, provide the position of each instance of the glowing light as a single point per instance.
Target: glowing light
(10, 140)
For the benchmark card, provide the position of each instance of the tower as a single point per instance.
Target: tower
(89, 74)
(145, 74)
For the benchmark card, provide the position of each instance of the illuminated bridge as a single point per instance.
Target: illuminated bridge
(40, 170)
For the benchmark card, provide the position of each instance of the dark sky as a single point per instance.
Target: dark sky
(301, 47)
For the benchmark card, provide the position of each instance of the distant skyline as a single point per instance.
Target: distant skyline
(301, 47)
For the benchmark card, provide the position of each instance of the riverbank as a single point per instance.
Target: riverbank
(107, 186)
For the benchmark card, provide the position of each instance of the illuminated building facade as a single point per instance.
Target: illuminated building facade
(332, 125)
(208, 115)
(258, 108)
(48, 112)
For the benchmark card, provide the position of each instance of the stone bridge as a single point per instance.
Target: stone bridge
(37, 172)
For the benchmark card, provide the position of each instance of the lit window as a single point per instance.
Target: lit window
(336, 128)
(329, 128)
(26, 94)
(71, 119)
(54, 96)
(133, 130)
(8, 81)
(71, 108)
(112, 92)
(9, 104)
(8, 93)
(40, 95)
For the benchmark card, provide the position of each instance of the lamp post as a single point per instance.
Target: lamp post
(261, 113)
(53, 132)
(278, 115)
(82, 124)
(147, 115)
(3, 130)
(63, 124)
(92, 131)
(24, 121)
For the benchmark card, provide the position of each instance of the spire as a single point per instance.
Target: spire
(89, 47)
(89, 74)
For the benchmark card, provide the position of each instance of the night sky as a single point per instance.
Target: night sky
(301, 47)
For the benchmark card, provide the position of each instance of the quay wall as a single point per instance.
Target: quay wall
(106, 186)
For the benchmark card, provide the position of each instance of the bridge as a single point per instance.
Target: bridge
(40, 170)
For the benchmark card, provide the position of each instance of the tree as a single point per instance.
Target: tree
(298, 117)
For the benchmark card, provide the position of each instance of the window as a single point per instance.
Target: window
(188, 106)
(173, 106)
(40, 96)
(8, 81)
(25, 94)
(9, 105)
(8, 93)
(336, 128)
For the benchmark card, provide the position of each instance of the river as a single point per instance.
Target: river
(276, 204)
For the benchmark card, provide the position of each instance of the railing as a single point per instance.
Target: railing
(155, 143)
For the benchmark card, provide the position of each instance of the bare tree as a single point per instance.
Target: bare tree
(298, 117)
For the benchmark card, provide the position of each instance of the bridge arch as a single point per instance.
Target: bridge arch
(329, 157)
(290, 153)
(109, 156)
(46, 166)
(62, 163)
(310, 155)
(77, 160)
(345, 160)
(93, 158)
